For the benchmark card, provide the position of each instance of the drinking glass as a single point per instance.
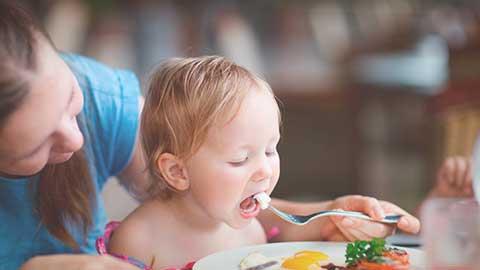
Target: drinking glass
(451, 234)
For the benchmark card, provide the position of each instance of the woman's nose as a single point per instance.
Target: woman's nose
(68, 137)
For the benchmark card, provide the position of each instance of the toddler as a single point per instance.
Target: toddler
(210, 130)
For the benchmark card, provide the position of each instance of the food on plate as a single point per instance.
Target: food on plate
(304, 260)
(359, 255)
(375, 255)
(263, 200)
(257, 261)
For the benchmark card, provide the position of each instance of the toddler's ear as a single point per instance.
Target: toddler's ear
(173, 171)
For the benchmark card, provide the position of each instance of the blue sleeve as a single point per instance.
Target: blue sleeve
(111, 114)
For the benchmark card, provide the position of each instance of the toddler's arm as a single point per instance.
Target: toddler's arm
(132, 241)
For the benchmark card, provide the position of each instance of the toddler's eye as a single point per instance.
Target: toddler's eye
(271, 152)
(239, 162)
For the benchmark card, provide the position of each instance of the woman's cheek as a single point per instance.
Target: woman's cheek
(32, 165)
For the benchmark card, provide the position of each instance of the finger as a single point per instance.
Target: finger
(454, 175)
(342, 224)
(468, 191)
(407, 222)
(391, 208)
(448, 169)
(367, 205)
(373, 208)
(337, 236)
(459, 173)
(359, 235)
(468, 174)
(370, 228)
(358, 229)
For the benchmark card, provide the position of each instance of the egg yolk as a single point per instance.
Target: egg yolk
(303, 260)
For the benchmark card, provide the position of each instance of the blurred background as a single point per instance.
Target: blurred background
(375, 93)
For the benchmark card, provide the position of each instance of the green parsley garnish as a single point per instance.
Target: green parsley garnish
(360, 250)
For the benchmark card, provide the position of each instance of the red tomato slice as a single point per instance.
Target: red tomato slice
(397, 255)
(373, 266)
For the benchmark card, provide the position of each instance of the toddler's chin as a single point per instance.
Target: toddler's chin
(240, 224)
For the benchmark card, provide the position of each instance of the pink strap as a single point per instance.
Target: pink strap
(101, 245)
(274, 231)
(188, 266)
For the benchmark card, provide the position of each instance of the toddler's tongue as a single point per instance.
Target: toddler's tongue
(248, 204)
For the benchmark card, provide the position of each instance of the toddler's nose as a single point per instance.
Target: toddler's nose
(264, 171)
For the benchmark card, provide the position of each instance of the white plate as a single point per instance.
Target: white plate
(230, 259)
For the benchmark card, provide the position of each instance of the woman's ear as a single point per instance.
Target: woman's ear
(173, 171)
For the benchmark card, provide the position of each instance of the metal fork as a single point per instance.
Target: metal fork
(302, 220)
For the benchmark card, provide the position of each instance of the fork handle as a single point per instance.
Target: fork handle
(390, 219)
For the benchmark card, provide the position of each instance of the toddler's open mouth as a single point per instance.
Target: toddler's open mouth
(250, 206)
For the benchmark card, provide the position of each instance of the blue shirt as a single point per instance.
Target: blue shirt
(111, 122)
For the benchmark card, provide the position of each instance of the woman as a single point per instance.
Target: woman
(68, 123)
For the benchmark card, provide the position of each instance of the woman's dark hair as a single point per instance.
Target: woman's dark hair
(64, 195)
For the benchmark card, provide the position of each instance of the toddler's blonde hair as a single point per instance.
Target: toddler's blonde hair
(185, 98)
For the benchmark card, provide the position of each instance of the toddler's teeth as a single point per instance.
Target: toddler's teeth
(263, 199)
